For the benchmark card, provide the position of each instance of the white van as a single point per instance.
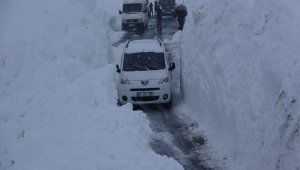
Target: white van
(134, 15)
(145, 73)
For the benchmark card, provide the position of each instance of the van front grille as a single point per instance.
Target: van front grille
(145, 89)
(132, 20)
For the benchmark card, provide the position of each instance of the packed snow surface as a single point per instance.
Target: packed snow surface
(57, 91)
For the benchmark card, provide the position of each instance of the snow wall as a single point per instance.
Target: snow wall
(241, 68)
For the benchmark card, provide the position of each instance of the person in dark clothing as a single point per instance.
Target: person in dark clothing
(156, 6)
(159, 18)
(181, 13)
(151, 9)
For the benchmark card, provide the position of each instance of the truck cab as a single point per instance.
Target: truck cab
(134, 15)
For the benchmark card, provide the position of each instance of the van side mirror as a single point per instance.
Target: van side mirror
(118, 68)
(172, 66)
(120, 12)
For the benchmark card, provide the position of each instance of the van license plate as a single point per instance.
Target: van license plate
(131, 25)
(145, 94)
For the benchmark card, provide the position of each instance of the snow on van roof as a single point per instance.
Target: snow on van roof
(144, 46)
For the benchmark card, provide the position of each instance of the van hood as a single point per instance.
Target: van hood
(145, 75)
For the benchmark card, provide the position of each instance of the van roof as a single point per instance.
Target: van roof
(144, 46)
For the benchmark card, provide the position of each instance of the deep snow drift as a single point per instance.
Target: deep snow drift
(241, 68)
(57, 91)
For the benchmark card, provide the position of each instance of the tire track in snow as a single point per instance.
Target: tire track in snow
(173, 137)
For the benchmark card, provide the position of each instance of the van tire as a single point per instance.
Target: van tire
(119, 103)
(168, 105)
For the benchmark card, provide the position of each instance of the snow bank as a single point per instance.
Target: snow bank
(241, 81)
(57, 91)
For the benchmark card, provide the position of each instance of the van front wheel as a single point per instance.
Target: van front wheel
(119, 102)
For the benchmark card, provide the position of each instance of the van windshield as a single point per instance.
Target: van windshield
(167, 4)
(144, 61)
(128, 8)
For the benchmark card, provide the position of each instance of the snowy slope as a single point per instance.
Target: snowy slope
(241, 68)
(57, 91)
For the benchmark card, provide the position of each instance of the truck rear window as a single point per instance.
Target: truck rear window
(128, 8)
(144, 61)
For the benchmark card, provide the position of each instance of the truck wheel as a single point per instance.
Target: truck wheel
(123, 27)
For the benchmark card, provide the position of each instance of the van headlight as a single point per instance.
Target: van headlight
(164, 80)
(124, 81)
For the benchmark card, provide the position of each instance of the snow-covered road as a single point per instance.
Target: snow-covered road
(173, 133)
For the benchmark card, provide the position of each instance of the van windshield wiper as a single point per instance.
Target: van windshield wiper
(150, 67)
